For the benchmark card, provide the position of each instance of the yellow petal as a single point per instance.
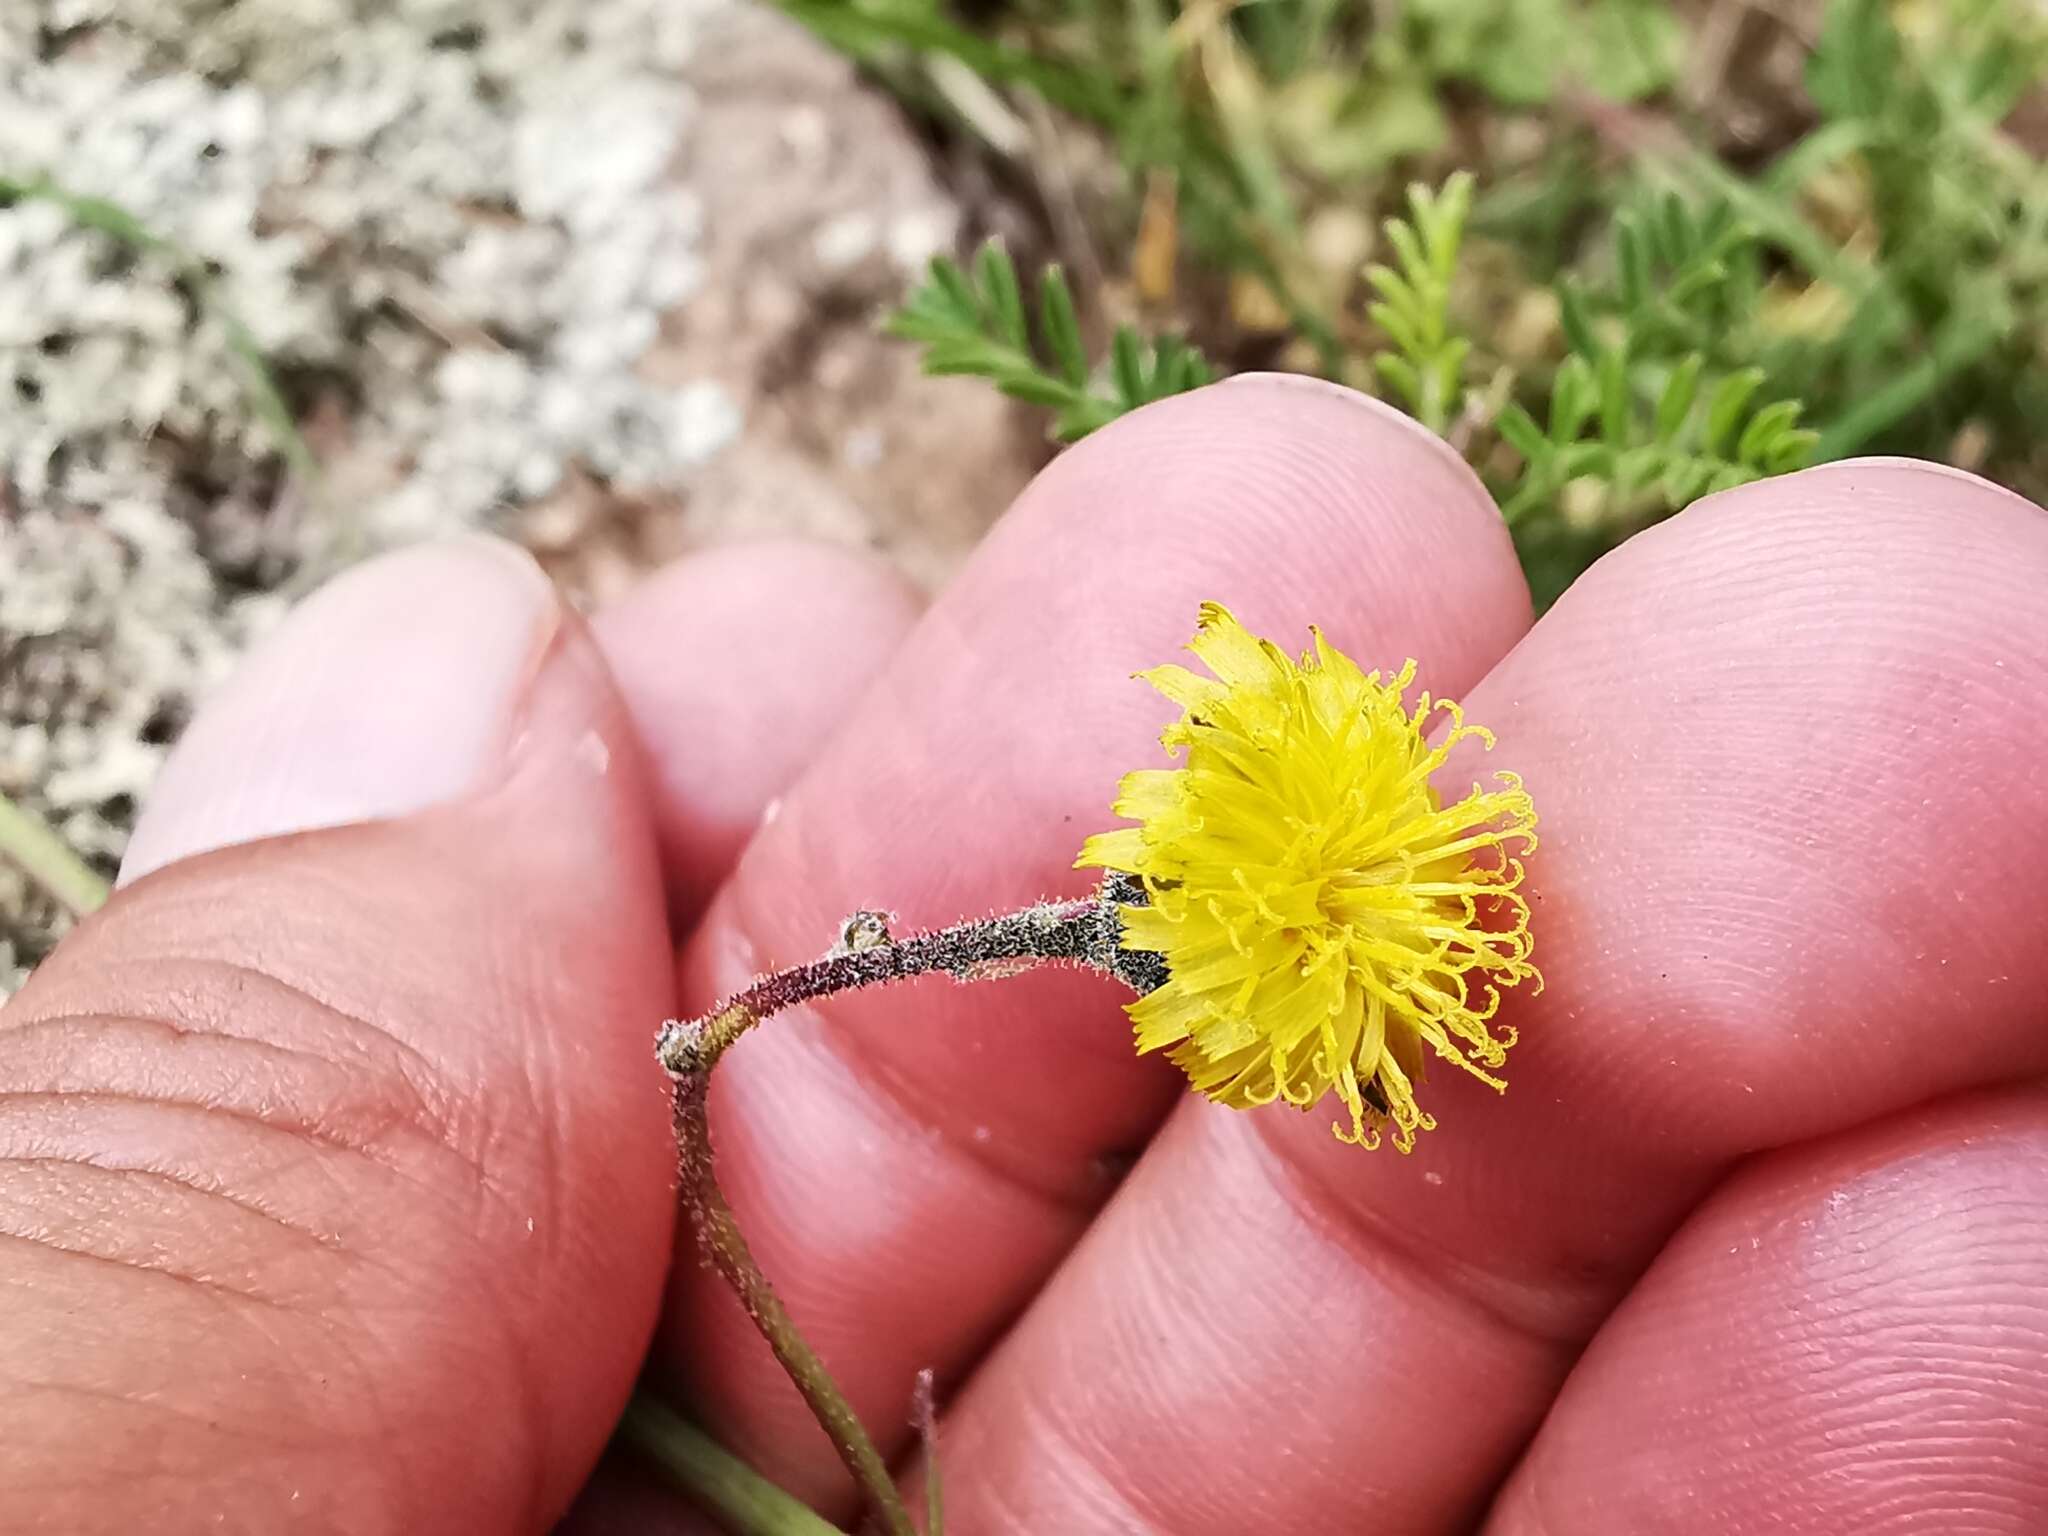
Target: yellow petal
(1328, 924)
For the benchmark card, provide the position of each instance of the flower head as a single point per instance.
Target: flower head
(1326, 921)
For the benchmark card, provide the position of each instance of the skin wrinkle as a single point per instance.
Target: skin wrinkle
(213, 1424)
(283, 968)
(1847, 1336)
(392, 1102)
(1553, 1324)
(1107, 1492)
(320, 1130)
(238, 1123)
(89, 1025)
(253, 1483)
(536, 1119)
(533, 1112)
(302, 1131)
(48, 1242)
(197, 1001)
(187, 1183)
(900, 1101)
(396, 1104)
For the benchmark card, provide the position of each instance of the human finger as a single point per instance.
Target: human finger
(737, 664)
(1776, 746)
(1850, 1337)
(338, 1180)
(924, 1156)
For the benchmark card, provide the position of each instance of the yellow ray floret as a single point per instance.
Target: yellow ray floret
(1327, 922)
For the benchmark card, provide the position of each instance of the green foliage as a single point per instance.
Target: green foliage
(1647, 413)
(1632, 457)
(976, 323)
(1743, 275)
(1425, 369)
(1940, 322)
(1522, 52)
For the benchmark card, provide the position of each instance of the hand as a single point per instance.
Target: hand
(340, 1188)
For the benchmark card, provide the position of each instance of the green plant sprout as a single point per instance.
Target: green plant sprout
(972, 321)
(1425, 368)
(1870, 276)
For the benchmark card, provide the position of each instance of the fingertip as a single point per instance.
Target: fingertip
(391, 689)
(1847, 1336)
(1299, 489)
(1887, 477)
(1779, 734)
(1298, 386)
(411, 1050)
(736, 664)
(1893, 519)
(992, 746)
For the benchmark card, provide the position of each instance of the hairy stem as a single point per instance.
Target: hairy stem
(726, 1246)
(925, 1413)
(48, 860)
(747, 1503)
(1084, 933)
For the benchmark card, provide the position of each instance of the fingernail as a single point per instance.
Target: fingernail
(391, 689)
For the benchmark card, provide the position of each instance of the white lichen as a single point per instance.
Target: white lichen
(450, 228)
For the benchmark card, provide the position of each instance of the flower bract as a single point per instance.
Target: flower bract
(1328, 923)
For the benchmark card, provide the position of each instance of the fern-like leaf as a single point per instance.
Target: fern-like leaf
(1641, 421)
(975, 321)
(1424, 369)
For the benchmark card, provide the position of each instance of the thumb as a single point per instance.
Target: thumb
(337, 1179)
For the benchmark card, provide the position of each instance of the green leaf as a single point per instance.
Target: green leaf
(1684, 480)
(1401, 376)
(1081, 418)
(1408, 247)
(1576, 320)
(1855, 61)
(1005, 299)
(1792, 450)
(1633, 251)
(1573, 396)
(1765, 429)
(1613, 381)
(1424, 369)
(1127, 367)
(1675, 404)
(1582, 459)
(1725, 408)
(1031, 387)
(952, 293)
(1062, 326)
(1522, 434)
(973, 322)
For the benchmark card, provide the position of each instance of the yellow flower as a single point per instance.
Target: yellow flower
(1325, 919)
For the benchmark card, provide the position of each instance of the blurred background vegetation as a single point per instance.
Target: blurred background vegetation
(1620, 252)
